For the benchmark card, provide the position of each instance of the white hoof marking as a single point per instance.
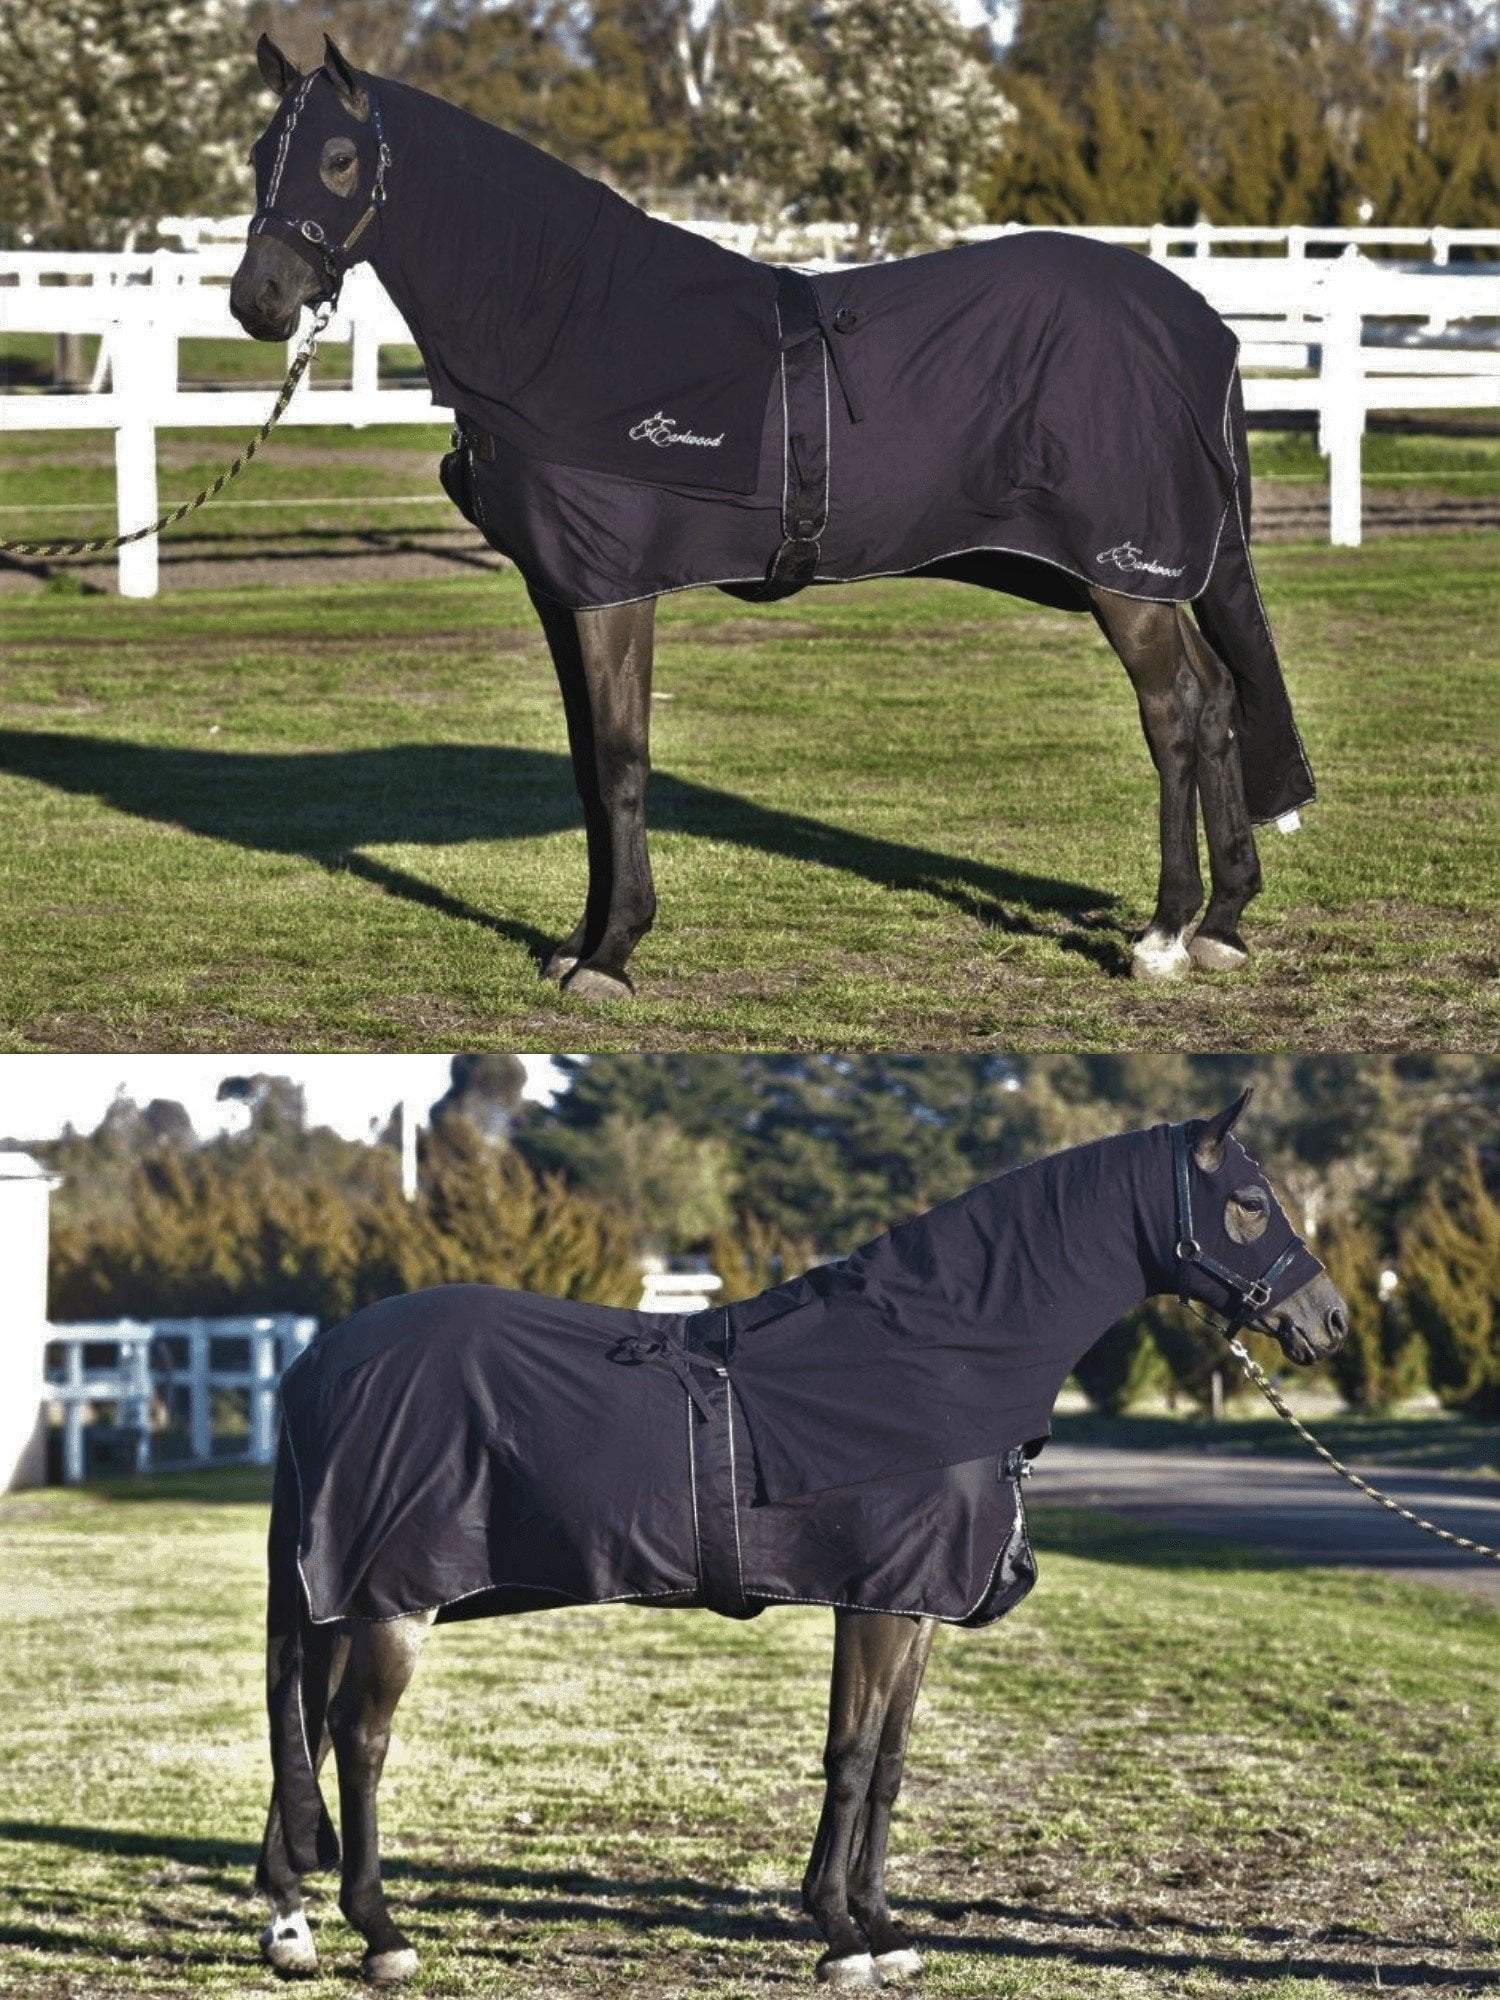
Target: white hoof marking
(389, 1968)
(849, 1972)
(1289, 823)
(894, 1966)
(286, 1944)
(1157, 956)
(1212, 954)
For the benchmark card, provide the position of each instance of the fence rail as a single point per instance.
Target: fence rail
(1335, 337)
(171, 1364)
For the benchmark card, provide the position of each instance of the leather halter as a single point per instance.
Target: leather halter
(333, 260)
(1253, 1294)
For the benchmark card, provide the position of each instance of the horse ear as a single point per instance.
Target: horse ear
(278, 72)
(351, 95)
(1208, 1147)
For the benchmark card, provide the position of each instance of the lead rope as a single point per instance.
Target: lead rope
(101, 543)
(1273, 1396)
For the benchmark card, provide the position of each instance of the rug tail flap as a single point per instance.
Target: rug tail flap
(1278, 778)
(300, 1655)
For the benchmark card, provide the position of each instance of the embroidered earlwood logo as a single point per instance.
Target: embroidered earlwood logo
(663, 430)
(1126, 556)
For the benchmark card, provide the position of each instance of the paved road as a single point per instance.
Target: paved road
(1292, 1505)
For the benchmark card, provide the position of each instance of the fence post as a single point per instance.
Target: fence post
(264, 1343)
(73, 1418)
(141, 1403)
(364, 346)
(200, 1410)
(1342, 412)
(135, 452)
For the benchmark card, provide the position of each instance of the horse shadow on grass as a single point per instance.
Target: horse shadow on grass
(1109, 1940)
(329, 806)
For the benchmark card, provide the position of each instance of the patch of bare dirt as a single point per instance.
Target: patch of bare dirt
(1294, 510)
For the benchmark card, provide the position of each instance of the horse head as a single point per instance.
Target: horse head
(1237, 1251)
(319, 184)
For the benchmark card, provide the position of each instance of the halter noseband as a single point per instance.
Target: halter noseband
(1254, 1294)
(334, 259)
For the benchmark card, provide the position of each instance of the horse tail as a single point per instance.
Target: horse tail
(1232, 617)
(299, 1658)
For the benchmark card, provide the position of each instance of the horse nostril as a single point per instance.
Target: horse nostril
(1338, 1322)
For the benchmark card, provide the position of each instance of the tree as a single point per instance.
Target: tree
(578, 81)
(487, 1090)
(1121, 1367)
(491, 1220)
(114, 113)
(1450, 1271)
(375, 35)
(277, 1106)
(673, 1189)
(875, 112)
(1381, 1362)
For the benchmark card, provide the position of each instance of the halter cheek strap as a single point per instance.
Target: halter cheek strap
(1253, 1294)
(330, 260)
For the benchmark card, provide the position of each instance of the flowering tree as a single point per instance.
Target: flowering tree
(882, 113)
(116, 112)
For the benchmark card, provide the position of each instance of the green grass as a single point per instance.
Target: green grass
(905, 814)
(1175, 1770)
(1443, 464)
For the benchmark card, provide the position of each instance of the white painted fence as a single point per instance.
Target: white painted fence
(144, 1369)
(1311, 317)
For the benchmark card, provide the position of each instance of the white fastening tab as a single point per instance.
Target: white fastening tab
(1289, 823)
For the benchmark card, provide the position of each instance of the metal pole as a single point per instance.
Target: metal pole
(409, 1147)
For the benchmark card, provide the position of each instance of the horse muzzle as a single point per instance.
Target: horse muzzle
(270, 288)
(1312, 1324)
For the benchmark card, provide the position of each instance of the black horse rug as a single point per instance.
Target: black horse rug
(642, 410)
(853, 1437)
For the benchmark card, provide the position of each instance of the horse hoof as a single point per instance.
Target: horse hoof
(848, 1973)
(894, 1966)
(558, 966)
(286, 1944)
(584, 983)
(1157, 956)
(1216, 954)
(389, 1968)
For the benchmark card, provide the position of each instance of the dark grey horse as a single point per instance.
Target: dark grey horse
(428, 1467)
(497, 256)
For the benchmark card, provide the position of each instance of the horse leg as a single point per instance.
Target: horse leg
(561, 629)
(605, 671)
(895, 1958)
(1148, 639)
(286, 1943)
(1234, 867)
(870, 1650)
(381, 1660)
